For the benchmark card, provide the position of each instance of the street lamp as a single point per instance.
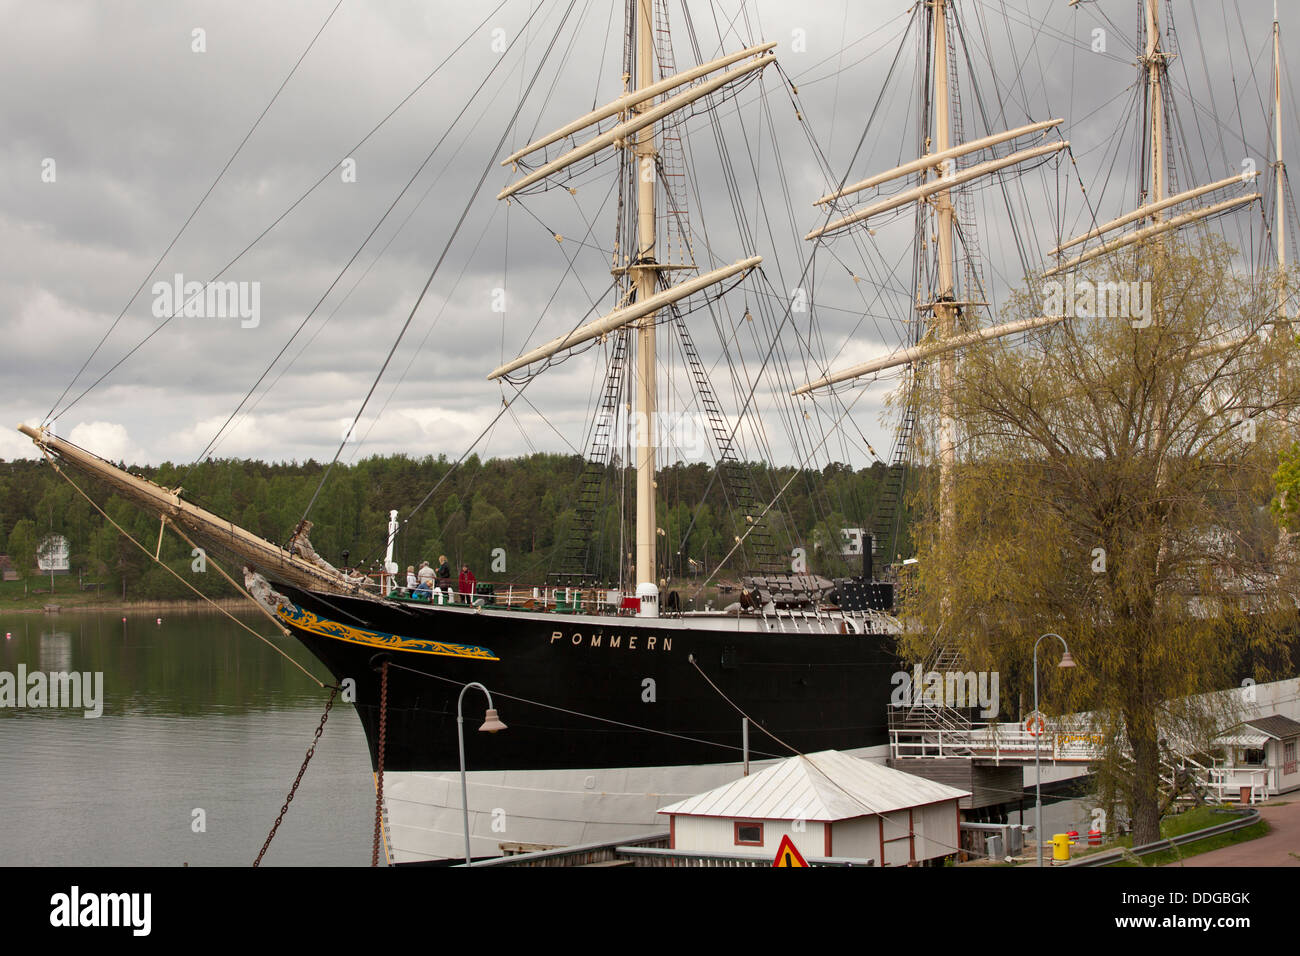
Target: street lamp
(1066, 661)
(492, 724)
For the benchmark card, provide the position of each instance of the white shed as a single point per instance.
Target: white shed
(1260, 756)
(52, 554)
(829, 804)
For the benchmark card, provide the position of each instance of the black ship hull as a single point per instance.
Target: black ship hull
(590, 700)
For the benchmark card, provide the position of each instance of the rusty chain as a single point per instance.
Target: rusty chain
(302, 770)
(379, 779)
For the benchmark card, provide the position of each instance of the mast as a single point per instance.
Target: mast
(637, 133)
(945, 310)
(643, 271)
(1280, 167)
(1154, 61)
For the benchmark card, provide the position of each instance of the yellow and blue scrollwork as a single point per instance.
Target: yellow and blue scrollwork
(312, 623)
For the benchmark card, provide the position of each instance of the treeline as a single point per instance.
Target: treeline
(509, 519)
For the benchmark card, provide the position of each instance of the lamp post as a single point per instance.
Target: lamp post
(1066, 661)
(492, 724)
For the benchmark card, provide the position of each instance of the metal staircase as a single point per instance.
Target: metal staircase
(921, 723)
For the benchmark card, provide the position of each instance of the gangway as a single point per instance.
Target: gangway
(997, 743)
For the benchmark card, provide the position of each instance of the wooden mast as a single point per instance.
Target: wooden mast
(1154, 61)
(1280, 170)
(643, 272)
(945, 310)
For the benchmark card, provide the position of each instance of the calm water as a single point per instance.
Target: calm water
(197, 715)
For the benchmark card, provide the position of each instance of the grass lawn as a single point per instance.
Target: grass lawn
(66, 593)
(1199, 818)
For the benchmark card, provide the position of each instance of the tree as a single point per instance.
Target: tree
(1108, 488)
(22, 548)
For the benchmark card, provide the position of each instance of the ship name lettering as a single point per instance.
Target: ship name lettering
(653, 642)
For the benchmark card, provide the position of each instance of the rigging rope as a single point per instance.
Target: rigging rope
(487, 169)
(258, 238)
(691, 659)
(578, 713)
(193, 213)
(156, 559)
(311, 752)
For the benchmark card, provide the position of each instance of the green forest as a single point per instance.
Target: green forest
(508, 519)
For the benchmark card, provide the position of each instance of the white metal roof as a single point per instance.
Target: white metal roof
(1258, 731)
(1241, 740)
(824, 786)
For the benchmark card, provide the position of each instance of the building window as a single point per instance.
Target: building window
(1252, 757)
(1288, 757)
(749, 834)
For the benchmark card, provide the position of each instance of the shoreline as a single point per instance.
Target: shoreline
(126, 607)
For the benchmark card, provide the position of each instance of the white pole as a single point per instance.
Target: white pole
(460, 737)
(744, 738)
(1042, 726)
(945, 314)
(645, 272)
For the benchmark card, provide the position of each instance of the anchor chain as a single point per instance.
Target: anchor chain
(297, 780)
(379, 780)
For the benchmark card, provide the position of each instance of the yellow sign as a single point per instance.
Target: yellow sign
(787, 854)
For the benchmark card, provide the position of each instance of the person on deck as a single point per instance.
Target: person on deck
(412, 582)
(425, 588)
(442, 576)
(467, 582)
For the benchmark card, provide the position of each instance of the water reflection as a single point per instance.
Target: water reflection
(190, 664)
(56, 651)
(198, 715)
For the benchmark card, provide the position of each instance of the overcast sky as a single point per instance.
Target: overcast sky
(117, 117)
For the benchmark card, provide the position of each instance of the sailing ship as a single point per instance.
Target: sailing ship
(618, 699)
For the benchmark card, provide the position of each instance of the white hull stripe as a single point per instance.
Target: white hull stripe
(544, 807)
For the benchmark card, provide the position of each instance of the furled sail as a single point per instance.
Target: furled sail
(1149, 231)
(941, 184)
(930, 160)
(918, 353)
(620, 132)
(627, 315)
(1150, 209)
(628, 100)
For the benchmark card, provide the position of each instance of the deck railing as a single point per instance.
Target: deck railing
(996, 742)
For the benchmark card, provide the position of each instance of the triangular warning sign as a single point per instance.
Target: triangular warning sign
(788, 855)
